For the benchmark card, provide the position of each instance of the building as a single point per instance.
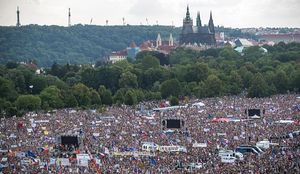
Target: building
(132, 50)
(243, 43)
(276, 38)
(165, 46)
(199, 35)
(117, 56)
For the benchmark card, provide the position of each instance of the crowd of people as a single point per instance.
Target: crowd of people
(30, 144)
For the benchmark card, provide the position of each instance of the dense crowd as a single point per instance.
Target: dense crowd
(32, 144)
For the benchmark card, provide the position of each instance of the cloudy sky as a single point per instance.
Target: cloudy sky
(229, 13)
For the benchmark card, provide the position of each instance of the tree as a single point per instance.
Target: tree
(51, 97)
(119, 96)
(95, 97)
(170, 87)
(28, 102)
(105, 95)
(235, 83)
(197, 72)
(150, 62)
(38, 83)
(69, 98)
(228, 53)
(281, 81)
(213, 86)
(174, 101)
(7, 90)
(130, 98)
(259, 87)
(128, 80)
(82, 94)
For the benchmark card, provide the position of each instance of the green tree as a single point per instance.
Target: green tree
(51, 97)
(69, 98)
(95, 98)
(150, 62)
(7, 90)
(213, 86)
(130, 98)
(174, 101)
(82, 94)
(119, 96)
(128, 80)
(105, 95)
(197, 72)
(170, 87)
(28, 102)
(281, 81)
(259, 87)
(235, 83)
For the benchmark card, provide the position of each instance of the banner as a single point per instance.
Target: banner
(200, 145)
(137, 153)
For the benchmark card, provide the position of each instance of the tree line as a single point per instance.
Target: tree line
(153, 76)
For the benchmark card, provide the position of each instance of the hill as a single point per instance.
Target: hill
(78, 44)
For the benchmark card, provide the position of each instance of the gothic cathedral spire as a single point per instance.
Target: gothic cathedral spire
(187, 16)
(211, 24)
(198, 20)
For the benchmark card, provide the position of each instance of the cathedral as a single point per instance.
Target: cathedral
(200, 35)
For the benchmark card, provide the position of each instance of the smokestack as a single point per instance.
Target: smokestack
(18, 17)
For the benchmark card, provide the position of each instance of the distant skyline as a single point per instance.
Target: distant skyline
(228, 13)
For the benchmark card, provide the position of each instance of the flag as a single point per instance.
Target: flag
(106, 151)
(30, 154)
(153, 162)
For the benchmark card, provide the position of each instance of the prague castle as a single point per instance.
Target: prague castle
(200, 35)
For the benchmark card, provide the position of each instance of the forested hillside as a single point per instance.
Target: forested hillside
(77, 44)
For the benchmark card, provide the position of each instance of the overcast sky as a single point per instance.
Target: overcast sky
(228, 13)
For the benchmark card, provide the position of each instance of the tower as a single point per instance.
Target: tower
(187, 23)
(158, 40)
(171, 40)
(198, 20)
(18, 17)
(211, 26)
(69, 19)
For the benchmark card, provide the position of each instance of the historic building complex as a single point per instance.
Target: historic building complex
(200, 35)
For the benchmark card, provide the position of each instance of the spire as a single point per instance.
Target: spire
(171, 40)
(187, 16)
(158, 40)
(198, 20)
(18, 17)
(69, 18)
(211, 24)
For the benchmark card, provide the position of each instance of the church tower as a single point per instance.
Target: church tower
(198, 20)
(158, 40)
(211, 26)
(18, 17)
(187, 22)
(171, 40)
